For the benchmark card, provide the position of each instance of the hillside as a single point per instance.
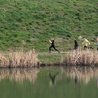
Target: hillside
(31, 23)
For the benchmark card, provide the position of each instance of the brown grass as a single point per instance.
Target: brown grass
(19, 59)
(81, 58)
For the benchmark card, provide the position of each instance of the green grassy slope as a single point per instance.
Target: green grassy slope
(31, 23)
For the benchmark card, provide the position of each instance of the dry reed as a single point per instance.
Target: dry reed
(81, 58)
(19, 59)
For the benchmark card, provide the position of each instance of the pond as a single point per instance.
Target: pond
(49, 82)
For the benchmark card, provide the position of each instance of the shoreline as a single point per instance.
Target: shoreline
(31, 59)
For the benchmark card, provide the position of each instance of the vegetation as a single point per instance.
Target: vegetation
(81, 58)
(30, 24)
(31, 59)
(19, 59)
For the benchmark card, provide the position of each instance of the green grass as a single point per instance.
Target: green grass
(50, 58)
(34, 22)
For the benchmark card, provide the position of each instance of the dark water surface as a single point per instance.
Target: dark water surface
(49, 82)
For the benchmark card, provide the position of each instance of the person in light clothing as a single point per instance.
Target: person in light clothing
(86, 44)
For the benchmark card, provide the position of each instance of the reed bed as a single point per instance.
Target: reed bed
(81, 58)
(19, 59)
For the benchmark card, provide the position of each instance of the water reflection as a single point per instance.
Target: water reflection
(79, 74)
(70, 82)
(52, 78)
(19, 74)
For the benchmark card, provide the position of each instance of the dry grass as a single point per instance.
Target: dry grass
(19, 59)
(81, 58)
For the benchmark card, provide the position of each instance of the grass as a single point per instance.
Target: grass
(52, 58)
(28, 59)
(34, 22)
(29, 24)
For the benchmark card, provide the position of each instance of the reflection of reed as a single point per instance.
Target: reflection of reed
(19, 74)
(81, 73)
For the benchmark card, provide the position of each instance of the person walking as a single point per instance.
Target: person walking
(52, 46)
(76, 45)
(97, 42)
(86, 44)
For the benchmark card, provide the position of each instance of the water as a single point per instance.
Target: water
(49, 82)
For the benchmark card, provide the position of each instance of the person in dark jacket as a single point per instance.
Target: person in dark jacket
(52, 46)
(76, 45)
(97, 42)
